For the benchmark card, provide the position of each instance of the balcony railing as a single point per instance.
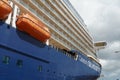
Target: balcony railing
(57, 22)
(53, 19)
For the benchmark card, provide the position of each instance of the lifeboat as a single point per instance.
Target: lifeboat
(5, 9)
(33, 27)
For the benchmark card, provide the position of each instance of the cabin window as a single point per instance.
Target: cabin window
(40, 68)
(19, 63)
(6, 59)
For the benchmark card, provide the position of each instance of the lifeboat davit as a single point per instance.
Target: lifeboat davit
(5, 9)
(33, 27)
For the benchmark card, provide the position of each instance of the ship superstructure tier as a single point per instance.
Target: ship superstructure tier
(67, 28)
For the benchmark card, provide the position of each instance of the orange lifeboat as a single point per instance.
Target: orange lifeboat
(5, 9)
(33, 27)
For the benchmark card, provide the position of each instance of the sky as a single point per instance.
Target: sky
(102, 18)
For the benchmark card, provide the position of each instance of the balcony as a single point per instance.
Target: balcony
(55, 22)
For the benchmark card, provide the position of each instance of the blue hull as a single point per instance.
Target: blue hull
(24, 58)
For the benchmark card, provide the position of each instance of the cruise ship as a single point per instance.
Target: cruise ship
(46, 40)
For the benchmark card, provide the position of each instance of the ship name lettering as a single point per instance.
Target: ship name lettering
(88, 63)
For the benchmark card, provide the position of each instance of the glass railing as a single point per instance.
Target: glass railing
(53, 19)
(72, 9)
(56, 14)
(32, 10)
(72, 19)
(34, 2)
(64, 43)
(68, 40)
(58, 32)
(41, 18)
(65, 10)
(26, 6)
(59, 17)
(42, 10)
(60, 41)
(64, 21)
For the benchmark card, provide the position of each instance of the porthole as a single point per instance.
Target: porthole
(6, 59)
(19, 63)
(39, 68)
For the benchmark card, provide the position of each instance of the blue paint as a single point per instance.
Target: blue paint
(38, 61)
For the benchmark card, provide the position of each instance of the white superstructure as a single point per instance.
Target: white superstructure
(67, 28)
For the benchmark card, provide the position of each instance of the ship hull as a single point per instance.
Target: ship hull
(25, 58)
